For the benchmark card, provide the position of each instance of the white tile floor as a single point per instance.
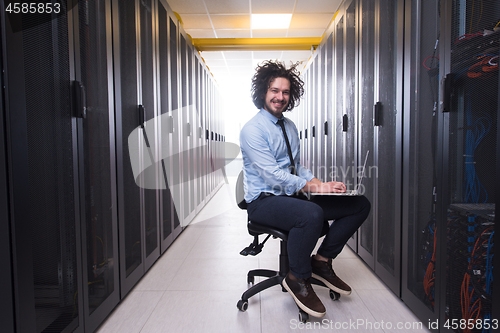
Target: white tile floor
(195, 285)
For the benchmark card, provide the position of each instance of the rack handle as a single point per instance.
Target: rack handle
(80, 99)
(377, 114)
(345, 123)
(142, 115)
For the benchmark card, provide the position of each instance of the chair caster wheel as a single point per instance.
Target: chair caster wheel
(303, 316)
(335, 296)
(242, 305)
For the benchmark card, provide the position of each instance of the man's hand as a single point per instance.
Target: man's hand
(316, 186)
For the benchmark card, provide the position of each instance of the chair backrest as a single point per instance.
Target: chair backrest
(240, 192)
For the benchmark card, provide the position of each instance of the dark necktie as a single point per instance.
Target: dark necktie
(282, 125)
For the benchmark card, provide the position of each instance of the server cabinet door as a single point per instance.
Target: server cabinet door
(420, 143)
(350, 162)
(97, 163)
(127, 119)
(208, 121)
(338, 112)
(321, 110)
(305, 120)
(191, 133)
(7, 318)
(186, 156)
(330, 124)
(136, 139)
(387, 120)
(469, 114)
(203, 134)
(166, 126)
(346, 59)
(43, 178)
(176, 114)
(148, 95)
(198, 135)
(313, 115)
(366, 127)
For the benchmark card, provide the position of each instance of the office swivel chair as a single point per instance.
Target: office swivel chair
(273, 277)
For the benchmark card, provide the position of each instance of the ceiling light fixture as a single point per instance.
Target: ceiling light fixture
(271, 21)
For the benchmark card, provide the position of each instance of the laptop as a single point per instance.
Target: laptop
(350, 192)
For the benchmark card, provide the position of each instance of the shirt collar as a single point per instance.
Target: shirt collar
(269, 116)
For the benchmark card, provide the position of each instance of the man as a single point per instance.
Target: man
(272, 182)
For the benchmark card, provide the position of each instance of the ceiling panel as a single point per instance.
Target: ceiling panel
(231, 21)
(317, 6)
(311, 21)
(188, 6)
(216, 62)
(239, 62)
(238, 55)
(274, 6)
(196, 21)
(212, 55)
(228, 6)
(267, 54)
(295, 55)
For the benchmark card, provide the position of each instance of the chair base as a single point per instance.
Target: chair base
(273, 278)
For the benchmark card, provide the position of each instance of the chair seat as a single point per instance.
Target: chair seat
(256, 229)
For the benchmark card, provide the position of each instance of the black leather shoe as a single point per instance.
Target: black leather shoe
(304, 295)
(323, 271)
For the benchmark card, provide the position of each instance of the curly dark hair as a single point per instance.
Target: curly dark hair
(270, 70)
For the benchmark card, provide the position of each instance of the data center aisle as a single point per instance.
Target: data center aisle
(195, 285)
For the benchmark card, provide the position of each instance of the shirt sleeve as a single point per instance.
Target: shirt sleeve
(263, 162)
(304, 172)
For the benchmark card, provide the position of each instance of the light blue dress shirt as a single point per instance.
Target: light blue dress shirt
(265, 158)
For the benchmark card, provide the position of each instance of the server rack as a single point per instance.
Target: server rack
(41, 132)
(330, 125)
(452, 91)
(320, 124)
(176, 113)
(386, 112)
(367, 84)
(314, 116)
(184, 118)
(169, 226)
(346, 27)
(135, 106)
(339, 61)
(199, 133)
(7, 302)
(422, 35)
(81, 231)
(96, 159)
(468, 117)
(365, 41)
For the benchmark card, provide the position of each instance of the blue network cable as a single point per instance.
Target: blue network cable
(476, 132)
